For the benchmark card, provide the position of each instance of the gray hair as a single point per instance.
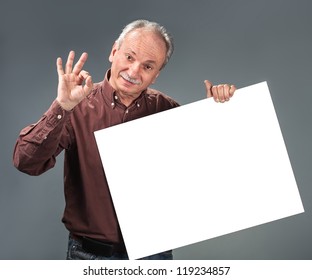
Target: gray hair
(153, 26)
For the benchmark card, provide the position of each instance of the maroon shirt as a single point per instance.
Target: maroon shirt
(89, 210)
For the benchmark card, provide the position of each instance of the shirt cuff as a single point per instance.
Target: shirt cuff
(56, 114)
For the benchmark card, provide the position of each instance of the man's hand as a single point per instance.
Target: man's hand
(220, 93)
(74, 83)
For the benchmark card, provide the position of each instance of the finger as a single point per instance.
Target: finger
(59, 66)
(83, 75)
(88, 85)
(226, 91)
(80, 63)
(221, 95)
(208, 85)
(232, 90)
(214, 91)
(70, 62)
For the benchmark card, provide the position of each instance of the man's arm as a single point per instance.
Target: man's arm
(38, 144)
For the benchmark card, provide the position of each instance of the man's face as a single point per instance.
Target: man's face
(136, 63)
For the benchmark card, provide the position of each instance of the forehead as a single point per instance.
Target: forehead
(146, 44)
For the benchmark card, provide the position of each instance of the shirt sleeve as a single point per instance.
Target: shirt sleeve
(38, 144)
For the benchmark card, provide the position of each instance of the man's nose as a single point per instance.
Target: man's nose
(134, 70)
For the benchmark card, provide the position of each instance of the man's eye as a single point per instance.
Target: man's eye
(129, 57)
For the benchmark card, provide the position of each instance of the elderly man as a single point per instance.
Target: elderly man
(82, 107)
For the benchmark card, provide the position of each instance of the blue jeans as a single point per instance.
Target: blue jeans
(75, 252)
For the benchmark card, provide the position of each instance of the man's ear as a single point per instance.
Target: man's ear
(113, 51)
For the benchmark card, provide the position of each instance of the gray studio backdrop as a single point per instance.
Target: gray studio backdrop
(237, 41)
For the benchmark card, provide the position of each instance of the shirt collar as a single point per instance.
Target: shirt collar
(107, 86)
(111, 93)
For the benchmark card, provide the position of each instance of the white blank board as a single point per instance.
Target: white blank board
(198, 171)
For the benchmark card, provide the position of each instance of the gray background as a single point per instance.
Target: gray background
(238, 41)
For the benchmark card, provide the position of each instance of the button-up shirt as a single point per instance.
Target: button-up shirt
(89, 210)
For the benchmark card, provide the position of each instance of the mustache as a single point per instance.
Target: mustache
(129, 79)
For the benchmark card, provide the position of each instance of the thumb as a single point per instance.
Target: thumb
(208, 85)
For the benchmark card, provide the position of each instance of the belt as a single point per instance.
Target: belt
(98, 247)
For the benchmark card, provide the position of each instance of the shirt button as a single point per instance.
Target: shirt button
(138, 105)
(59, 117)
(127, 111)
(113, 104)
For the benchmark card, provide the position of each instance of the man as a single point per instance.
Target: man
(82, 107)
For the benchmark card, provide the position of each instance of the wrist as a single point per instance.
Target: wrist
(64, 106)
